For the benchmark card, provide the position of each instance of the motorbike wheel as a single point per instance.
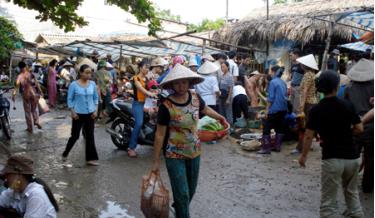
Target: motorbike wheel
(6, 127)
(122, 128)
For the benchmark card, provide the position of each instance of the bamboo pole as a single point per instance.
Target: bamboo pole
(328, 43)
(10, 67)
(203, 47)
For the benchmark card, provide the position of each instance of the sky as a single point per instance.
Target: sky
(104, 19)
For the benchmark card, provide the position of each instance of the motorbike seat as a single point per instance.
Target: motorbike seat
(124, 106)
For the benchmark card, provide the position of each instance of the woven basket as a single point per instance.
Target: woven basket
(208, 135)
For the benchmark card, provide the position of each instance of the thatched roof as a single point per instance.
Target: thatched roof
(291, 21)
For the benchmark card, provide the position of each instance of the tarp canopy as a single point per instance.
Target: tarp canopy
(364, 19)
(136, 48)
(357, 46)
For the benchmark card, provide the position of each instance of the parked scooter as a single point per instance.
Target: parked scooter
(4, 115)
(123, 124)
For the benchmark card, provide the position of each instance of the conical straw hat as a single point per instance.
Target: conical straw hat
(208, 57)
(87, 61)
(362, 71)
(208, 68)
(158, 62)
(308, 61)
(181, 72)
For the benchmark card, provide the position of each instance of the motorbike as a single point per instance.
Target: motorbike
(4, 115)
(123, 124)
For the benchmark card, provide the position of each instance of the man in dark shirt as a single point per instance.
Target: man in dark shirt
(296, 73)
(332, 62)
(243, 69)
(336, 122)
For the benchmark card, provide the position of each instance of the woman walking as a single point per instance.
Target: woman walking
(140, 93)
(226, 83)
(176, 134)
(30, 95)
(308, 94)
(83, 104)
(52, 88)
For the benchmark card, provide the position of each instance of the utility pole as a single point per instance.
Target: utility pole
(226, 14)
(268, 14)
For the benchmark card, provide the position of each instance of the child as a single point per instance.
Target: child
(151, 104)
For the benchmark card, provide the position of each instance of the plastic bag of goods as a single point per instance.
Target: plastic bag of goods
(210, 129)
(154, 197)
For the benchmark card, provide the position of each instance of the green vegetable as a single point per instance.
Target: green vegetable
(209, 124)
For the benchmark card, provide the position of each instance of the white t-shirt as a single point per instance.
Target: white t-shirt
(237, 90)
(233, 68)
(208, 88)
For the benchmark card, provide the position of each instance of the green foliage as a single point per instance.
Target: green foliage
(285, 1)
(63, 13)
(207, 25)
(276, 2)
(166, 14)
(9, 36)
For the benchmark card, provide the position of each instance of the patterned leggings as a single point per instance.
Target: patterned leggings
(30, 105)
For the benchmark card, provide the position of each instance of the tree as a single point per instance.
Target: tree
(63, 13)
(207, 25)
(277, 2)
(9, 36)
(166, 14)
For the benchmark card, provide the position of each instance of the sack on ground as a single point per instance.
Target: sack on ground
(154, 197)
(42, 106)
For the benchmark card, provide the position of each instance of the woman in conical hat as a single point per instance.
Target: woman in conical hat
(209, 88)
(178, 116)
(309, 97)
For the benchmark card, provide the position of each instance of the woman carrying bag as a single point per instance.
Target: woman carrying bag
(177, 134)
(31, 93)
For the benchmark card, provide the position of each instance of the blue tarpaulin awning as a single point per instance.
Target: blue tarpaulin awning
(357, 46)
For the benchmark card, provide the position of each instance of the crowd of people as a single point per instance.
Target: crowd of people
(223, 86)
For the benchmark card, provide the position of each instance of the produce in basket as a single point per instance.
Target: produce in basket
(210, 129)
(209, 124)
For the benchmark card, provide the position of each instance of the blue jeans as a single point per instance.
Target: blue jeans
(226, 110)
(183, 176)
(137, 111)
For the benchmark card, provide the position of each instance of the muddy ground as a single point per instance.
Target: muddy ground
(232, 183)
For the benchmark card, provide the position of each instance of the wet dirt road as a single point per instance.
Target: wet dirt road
(232, 183)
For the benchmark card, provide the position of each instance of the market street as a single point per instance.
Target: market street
(232, 183)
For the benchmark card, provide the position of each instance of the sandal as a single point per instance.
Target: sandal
(132, 153)
(38, 125)
(92, 163)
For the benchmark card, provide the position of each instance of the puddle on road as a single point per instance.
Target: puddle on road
(114, 210)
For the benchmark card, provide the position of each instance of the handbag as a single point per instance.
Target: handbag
(42, 106)
(154, 196)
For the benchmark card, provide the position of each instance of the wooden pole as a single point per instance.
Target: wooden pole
(10, 67)
(203, 47)
(328, 43)
(120, 59)
(226, 13)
